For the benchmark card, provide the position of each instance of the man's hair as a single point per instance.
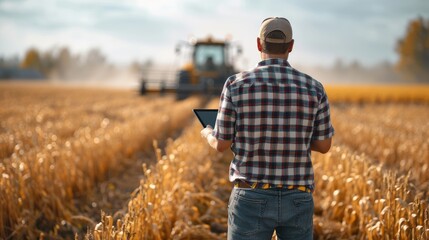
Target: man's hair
(275, 48)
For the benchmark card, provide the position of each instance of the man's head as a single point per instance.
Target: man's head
(275, 37)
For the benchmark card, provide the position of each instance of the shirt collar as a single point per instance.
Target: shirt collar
(274, 61)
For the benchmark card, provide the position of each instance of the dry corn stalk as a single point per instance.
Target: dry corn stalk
(176, 200)
(56, 144)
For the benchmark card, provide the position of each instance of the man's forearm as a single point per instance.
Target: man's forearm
(218, 145)
(321, 146)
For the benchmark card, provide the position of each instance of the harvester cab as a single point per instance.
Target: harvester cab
(209, 63)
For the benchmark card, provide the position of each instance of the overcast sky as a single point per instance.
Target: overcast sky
(127, 30)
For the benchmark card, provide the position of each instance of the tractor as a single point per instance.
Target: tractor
(211, 63)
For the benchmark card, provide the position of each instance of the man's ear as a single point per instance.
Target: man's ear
(258, 41)
(291, 46)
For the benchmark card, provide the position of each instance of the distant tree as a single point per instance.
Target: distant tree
(64, 60)
(68, 66)
(49, 63)
(95, 57)
(355, 67)
(10, 62)
(339, 65)
(32, 60)
(413, 51)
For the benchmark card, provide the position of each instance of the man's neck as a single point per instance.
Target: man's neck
(265, 56)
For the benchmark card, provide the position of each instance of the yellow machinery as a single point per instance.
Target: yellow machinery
(211, 63)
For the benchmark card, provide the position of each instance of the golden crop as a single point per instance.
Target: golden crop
(374, 182)
(183, 196)
(56, 144)
(378, 93)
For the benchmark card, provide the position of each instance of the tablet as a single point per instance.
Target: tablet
(206, 116)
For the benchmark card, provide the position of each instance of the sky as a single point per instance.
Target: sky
(137, 30)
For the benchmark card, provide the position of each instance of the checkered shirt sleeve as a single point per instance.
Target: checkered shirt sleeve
(224, 128)
(322, 125)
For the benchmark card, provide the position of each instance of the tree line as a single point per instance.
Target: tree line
(61, 63)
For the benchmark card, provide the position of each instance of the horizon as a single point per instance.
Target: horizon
(141, 30)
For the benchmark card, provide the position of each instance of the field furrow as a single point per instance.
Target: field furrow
(357, 199)
(183, 196)
(392, 134)
(46, 169)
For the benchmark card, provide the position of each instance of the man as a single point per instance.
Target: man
(272, 117)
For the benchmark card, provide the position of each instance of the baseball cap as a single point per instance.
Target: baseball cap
(275, 24)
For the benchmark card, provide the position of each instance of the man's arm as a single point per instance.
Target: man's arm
(218, 144)
(321, 146)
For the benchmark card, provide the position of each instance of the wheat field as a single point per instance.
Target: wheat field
(58, 143)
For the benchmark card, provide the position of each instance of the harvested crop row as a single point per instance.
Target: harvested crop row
(180, 197)
(367, 201)
(392, 134)
(47, 168)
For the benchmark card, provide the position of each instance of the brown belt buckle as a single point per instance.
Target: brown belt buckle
(241, 184)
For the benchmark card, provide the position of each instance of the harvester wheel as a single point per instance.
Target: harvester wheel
(184, 80)
(143, 88)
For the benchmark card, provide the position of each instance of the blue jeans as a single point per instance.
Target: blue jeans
(256, 213)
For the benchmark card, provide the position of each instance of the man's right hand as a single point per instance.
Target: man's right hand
(206, 131)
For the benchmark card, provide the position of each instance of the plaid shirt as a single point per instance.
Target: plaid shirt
(272, 113)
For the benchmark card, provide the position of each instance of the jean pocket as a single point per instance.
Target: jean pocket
(304, 207)
(244, 214)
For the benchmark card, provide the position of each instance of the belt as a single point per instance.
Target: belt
(256, 185)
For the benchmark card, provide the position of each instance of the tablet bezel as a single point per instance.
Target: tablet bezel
(196, 110)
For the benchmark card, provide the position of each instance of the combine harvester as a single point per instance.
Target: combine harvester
(210, 63)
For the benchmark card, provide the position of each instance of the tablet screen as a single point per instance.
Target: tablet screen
(206, 116)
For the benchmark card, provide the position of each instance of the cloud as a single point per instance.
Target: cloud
(365, 30)
(121, 30)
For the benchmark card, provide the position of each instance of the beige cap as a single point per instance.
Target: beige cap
(273, 24)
